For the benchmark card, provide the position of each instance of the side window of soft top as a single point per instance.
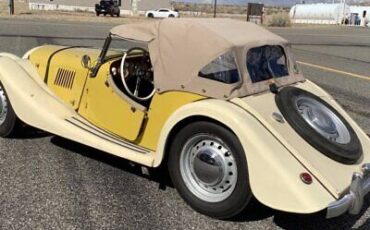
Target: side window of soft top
(266, 62)
(223, 69)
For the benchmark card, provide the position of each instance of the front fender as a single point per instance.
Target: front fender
(9, 55)
(274, 174)
(23, 85)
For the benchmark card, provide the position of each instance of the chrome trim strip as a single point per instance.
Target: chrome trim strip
(352, 202)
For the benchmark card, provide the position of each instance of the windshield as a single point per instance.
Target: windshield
(115, 47)
(266, 62)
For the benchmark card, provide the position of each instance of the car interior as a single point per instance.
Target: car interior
(133, 75)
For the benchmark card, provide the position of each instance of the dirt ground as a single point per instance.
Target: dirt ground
(22, 12)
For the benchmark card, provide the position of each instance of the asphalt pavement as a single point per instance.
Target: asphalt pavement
(47, 182)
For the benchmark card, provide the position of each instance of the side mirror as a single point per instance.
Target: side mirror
(86, 62)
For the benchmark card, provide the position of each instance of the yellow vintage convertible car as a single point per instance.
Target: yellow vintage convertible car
(220, 102)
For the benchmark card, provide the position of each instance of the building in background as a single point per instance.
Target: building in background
(128, 7)
(320, 13)
(357, 13)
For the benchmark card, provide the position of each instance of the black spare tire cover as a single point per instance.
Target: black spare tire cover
(319, 124)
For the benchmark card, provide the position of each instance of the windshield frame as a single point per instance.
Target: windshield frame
(102, 55)
(102, 58)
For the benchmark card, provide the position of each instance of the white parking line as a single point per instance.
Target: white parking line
(324, 35)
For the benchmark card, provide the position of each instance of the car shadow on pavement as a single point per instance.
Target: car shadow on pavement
(158, 175)
(255, 211)
(318, 221)
(29, 132)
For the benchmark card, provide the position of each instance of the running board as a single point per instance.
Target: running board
(88, 127)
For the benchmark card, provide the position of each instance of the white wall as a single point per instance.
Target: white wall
(320, 13)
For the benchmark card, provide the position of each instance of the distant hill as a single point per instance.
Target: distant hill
(273, 2)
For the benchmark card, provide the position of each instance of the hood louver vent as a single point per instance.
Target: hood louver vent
(65, 78)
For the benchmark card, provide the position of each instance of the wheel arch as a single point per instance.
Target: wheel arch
(273, 171)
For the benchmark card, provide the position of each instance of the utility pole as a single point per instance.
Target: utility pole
(344, 13)
(215, 9)
(11, 7)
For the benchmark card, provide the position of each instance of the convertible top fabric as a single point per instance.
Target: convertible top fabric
(180, 48)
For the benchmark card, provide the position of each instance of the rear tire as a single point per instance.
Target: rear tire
(8, 119)
(171, 16)
(208, 167)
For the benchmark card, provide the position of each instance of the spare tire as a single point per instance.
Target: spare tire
(319, 124)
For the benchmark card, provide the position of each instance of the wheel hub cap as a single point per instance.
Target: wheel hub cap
(208, 168)
(323, 120)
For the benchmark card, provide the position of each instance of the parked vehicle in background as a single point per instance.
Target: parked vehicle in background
(110, 7)
(162, 13)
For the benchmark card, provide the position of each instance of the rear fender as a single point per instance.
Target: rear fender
(274, 174)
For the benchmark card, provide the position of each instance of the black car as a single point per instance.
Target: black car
(110, 7)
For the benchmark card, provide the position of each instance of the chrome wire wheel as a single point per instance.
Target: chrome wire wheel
(208, 168)
(323, 120)
(3, 106)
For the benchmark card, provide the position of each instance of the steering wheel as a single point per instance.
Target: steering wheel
(141, 71)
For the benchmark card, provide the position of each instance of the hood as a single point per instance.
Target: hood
(62, 70)
(42, 56)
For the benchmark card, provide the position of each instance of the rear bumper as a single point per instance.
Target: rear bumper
(352, 202)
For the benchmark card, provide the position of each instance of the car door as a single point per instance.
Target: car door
(106, 109)
(163, 13)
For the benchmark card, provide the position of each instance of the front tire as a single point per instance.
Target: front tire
(208, 167)
(8, 119)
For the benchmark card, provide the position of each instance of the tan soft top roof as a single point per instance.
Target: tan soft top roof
(180, 48)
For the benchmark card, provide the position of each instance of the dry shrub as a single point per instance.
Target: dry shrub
(279, 20)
